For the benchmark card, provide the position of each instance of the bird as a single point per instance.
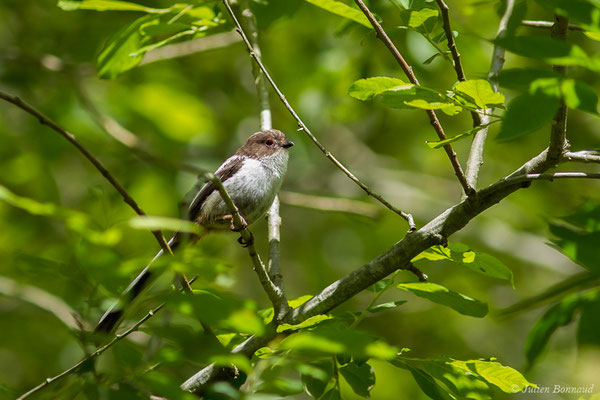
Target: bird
(252, 176)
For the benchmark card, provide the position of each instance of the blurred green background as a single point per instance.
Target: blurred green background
(199, 108)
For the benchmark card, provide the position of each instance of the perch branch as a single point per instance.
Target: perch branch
(433, 119)
(304, 128)
(584, 156)
(95, 162)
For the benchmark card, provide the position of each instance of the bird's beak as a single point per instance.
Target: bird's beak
(287, 144)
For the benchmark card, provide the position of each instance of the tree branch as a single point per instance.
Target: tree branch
(558, 134)
(334, 204)
(548, 25)
(433, 119)
(584, 156)
(475, 160)
(273, 219)
(93, 355)
(304, 128)
(95, 162)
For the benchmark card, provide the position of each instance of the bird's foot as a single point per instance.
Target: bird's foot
(233, 227)
(244, 242)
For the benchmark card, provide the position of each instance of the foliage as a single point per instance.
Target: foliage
(67, 236)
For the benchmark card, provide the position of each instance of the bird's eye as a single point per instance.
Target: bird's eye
(269, 142)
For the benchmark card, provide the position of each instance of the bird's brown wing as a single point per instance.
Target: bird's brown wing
(224, 172)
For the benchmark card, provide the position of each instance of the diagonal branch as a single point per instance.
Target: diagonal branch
(71, 138)
(304, 128)
(475, 160)
(93, 355)
(433, 119)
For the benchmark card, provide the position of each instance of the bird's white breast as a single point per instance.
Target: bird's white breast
(252, 188)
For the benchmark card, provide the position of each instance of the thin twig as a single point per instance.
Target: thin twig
(584, 156)
(433, 119)
(334, 204)
(71, 138)
(95, 354)
(549, 177)
(190, 47)
(273, 218)
(460, 73)
(304, 128)
(475, 160)
(548, 25)
(558, 134)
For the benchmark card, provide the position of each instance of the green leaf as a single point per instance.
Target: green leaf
(107, 5)
(578, 244)
(441, 295)
(342, 10)
(74, 220)
(434, 253)
(419, 19)
(166, 223)
(507, 379)
(366, 89)
(558, 315)
(332, 394)
(411, 96)
(158, 29)
(360, 378)
(527, 113)
(579, 95)
(386, 306)
(115, 58)
(426, 382)
(436, 144)
(218, 310)
(335, 338)
(312, 321)
(487, 265)
(551, 50)
(481, 92)
(581, 12)
(143, 50)
(522, 78)
(315, 382)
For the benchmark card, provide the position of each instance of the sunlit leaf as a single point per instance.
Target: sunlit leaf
(441, 295)
(419, 19)
(366, 89)
(411, 96)
(579, 95)
(312, 321)
(481, 92)
(506, 378)
(342, 10)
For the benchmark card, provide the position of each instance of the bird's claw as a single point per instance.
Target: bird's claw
(244, 242)
(243, 226)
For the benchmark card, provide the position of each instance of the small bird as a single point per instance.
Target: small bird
(252, 177)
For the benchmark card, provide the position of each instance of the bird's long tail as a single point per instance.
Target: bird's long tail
(112, 317)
